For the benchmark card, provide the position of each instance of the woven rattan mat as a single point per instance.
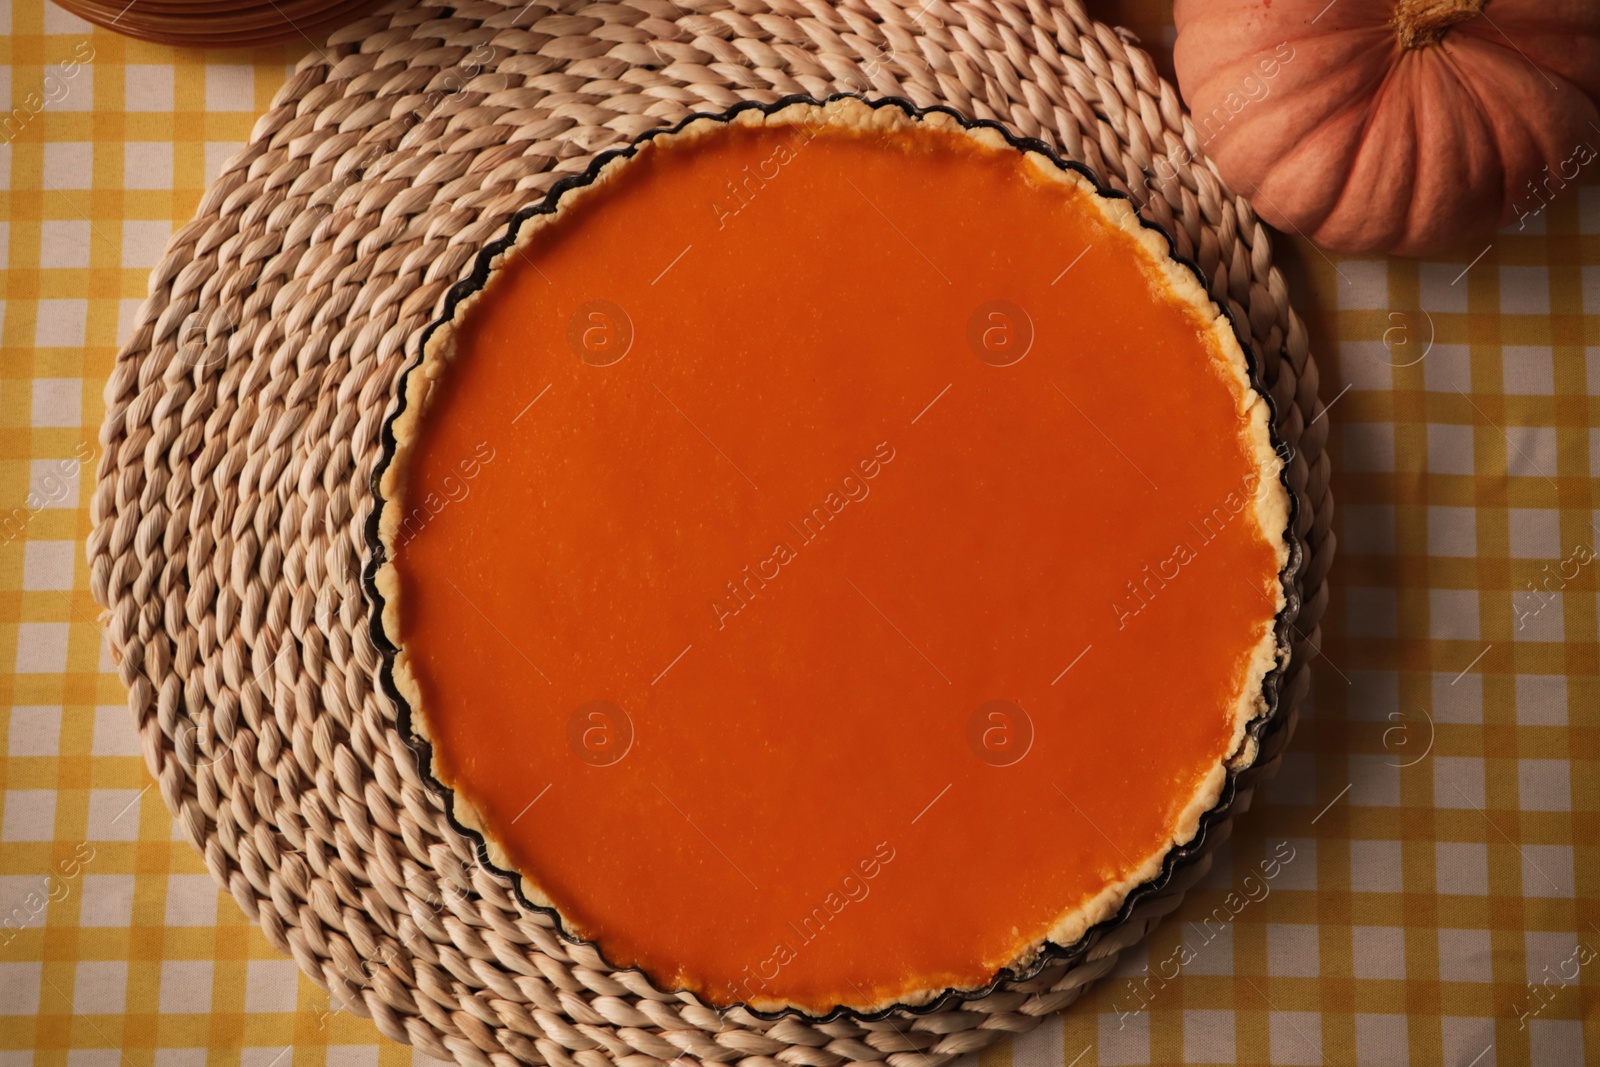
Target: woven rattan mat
(243, 422)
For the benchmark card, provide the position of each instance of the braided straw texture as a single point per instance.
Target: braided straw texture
(242, 426)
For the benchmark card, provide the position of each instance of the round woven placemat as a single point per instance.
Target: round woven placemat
(243, 421)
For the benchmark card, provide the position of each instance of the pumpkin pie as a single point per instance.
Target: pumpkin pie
(832, 554)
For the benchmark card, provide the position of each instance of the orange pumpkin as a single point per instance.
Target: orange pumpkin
(1401, 126)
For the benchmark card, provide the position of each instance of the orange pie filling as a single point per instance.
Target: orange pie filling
(835, 555)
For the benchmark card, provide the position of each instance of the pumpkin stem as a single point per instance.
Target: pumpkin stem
(1420, 23)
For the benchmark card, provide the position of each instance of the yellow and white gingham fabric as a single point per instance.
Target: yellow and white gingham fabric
(1421, 883)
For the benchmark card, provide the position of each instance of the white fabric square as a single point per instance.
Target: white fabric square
(1536, 534)
(1207, 1036)
(53, 483)
(1469, 1042)
(59, 20)
(367, 1055)
(1448, 369)
(1378, 952)
(263, 1057)
(1529, 371)
(20, 982)
(1366, 365)
(1452, 531)
(1374, 695)
(1296, 781)
(107, 900)
(1295, 1038)
(1368, 529)
(100, 988)
(30, 815)
(48, 565)
(1458, 697)
(1458, 782)
(35, 731)
(1541, 700)
(1364, 285)
(1367, 446)
(1369, 612)
(1453, 614)
(63, 244)
(1525, 290)
(1375, 780)
(1211, 942)
(1298, 859)
(68, 165)
(95, 1057)
(1436, 290)
(114, 814)
(57, 402)
(1125, 1040)
(1040, 1047)
(1531, 451)
(147, 165)
(1382, 1041)
(114, 732)
(61, 323)
(1466, 956)
(147, 87)
(1589, 209)
(1450, 449)
(143, 243)
(1547, 871)
(1461, 867)
(1220, 876)
(1540, 617)
(218, 153)
(127, 316)
(79, 95)
(191, 900)
(1544, 952)
(26, 900)
(42, 647)
(185, 987)
(230, 87)
(1293, 950)
(1555, 1041)
(270, 985)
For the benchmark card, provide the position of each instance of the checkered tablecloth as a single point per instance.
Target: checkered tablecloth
(1419, 885)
